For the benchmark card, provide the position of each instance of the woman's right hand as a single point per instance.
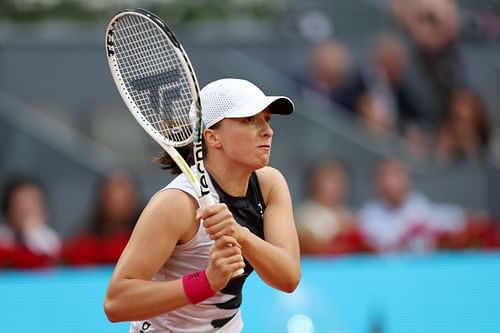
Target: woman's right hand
(225, 259)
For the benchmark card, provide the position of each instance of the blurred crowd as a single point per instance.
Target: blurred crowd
(28, 239)
(411, 85)
(395, 218)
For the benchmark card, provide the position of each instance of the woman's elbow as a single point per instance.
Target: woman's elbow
(292, 283)
(111, 311)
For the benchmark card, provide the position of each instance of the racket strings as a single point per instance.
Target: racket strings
(154, 77)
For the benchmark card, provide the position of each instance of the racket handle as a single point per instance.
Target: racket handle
(239, 272)
(208, 200)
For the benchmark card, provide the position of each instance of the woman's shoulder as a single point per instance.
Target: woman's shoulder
(269, 175)
(170, 210)
(270, 179)
(268, 172)
(169, 197)
(170, 202)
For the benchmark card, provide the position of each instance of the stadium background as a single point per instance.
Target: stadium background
(62, 119)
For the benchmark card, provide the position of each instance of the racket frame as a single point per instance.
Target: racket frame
(198, 181)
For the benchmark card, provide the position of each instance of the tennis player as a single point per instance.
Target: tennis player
(175, 275)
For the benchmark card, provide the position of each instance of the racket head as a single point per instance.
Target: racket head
(153, 75)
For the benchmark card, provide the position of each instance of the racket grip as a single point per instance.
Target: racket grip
(238, 273)
(206, 200)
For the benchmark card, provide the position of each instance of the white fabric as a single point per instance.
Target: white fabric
(43, 240)
(185, 259)
(237, 98)
(40, 239)
(385, 227)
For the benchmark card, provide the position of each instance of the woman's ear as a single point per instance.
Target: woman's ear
(211, 138)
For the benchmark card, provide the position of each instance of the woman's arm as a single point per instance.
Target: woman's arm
(131, 294)
(277, 259)
(167, 220)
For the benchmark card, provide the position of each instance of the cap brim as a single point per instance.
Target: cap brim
(276, 104)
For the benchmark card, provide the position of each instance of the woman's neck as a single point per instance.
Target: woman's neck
(233, 181)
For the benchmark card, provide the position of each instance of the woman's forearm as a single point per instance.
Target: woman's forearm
(274, 264)
(135, 299)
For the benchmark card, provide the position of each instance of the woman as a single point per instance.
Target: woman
(27, 239)
(325, 223)
(466, 132)
(117, 206)
(175, 273)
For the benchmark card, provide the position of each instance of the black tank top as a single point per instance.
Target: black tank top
(248, 211)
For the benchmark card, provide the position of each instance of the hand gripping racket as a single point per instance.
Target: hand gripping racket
(157, 83)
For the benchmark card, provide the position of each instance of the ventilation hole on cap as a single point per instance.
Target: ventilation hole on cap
(215, 105)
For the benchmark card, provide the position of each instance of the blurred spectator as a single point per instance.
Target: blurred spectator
(26, 239)
(325, 223)
(117, 208)
(383, 99)
(466, 132)
(375, 115)
(385, 75)
(328, 77)
(433, 24)
(434, 29)
(377, 120)
(401, 219)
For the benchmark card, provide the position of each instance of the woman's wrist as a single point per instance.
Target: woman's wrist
(197, 287)
(243, 235)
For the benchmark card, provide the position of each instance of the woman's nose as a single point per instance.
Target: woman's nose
(266, 128)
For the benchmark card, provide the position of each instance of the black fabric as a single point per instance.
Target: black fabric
(217, 323)
(248, 211)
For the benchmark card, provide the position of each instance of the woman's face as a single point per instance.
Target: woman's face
(247, 141)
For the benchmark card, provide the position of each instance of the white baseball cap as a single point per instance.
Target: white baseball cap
(237, 98)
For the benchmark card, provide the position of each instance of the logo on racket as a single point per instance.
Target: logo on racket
(198, 152)
(160, 99)
(110, 46)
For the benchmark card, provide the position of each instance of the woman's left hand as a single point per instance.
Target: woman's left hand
(219, 221)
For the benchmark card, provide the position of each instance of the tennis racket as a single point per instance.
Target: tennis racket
(157, 83)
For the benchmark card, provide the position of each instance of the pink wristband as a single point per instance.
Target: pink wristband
(197, 287)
